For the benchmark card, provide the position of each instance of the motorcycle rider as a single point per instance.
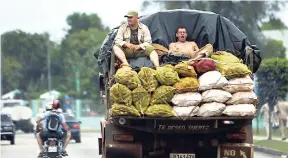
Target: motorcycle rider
(39, 127)
(45, 133)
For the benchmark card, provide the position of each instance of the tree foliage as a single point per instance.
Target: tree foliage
(246, 15)
(273, 24)
(25, 57)
(273, 79)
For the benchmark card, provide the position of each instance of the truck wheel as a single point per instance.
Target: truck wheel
(78, 140)
(12, 141)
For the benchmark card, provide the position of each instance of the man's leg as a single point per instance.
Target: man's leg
(152, 54)
(66, 142)
(282, 128)
(267, 130)
(120, 54)
(40, 143)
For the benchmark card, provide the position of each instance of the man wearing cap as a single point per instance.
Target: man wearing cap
(134, 40)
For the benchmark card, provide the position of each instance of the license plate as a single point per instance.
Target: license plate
(52, 149)
(182, 155)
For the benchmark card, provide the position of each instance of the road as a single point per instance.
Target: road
(26, 147)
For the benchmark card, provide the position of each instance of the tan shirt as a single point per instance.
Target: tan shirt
(124, 34)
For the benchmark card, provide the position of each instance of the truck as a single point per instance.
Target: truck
(20, 113)
(174, 137)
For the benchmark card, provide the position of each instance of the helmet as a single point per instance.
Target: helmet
(48, 107)
(56, 104)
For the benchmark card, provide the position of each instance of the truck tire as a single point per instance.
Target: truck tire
(12, 140)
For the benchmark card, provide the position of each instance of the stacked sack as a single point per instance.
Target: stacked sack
(210, 87)
(146, 93)
(240, 85)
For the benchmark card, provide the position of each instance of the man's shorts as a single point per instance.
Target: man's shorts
(138, 53)
(59, 134)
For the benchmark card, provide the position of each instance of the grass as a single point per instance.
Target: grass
(262, 132)
(272, 144)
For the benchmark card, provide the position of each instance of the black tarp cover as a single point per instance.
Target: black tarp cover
(202, 27)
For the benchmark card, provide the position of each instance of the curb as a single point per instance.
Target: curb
(270, 151)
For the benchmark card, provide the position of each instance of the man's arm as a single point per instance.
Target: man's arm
(63, 123)
(41, 117)
(119, 37)
(147, 38)
(195, 46)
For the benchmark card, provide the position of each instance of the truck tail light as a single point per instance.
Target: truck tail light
(236, 136)
(123, 137)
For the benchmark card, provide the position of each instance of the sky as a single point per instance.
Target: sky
(50, 15)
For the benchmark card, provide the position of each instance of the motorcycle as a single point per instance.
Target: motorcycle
(52, 148)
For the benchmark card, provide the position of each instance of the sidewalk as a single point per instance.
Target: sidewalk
(268, 150)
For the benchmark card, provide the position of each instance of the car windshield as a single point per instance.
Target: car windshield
(69, 117)
(5, 118)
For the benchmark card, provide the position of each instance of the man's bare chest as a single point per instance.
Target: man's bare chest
(184, 47)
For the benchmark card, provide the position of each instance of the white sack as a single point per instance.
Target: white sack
(242, 98)
(212, 79)
(240, 110)
(211, 109)
(185, 111)
(187, 99)
(215, 95)
(243, 84)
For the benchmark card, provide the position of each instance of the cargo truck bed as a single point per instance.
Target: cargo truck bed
(178, 125)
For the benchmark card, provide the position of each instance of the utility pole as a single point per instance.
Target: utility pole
(48, 66)
(1, 67)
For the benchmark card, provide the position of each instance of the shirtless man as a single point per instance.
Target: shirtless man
(188, 48)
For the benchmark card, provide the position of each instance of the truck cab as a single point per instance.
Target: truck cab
(175, 137)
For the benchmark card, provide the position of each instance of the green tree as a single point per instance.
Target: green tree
(274, 48)
(82, 21)
(25, 61)
(246, 15)
(273, 24)
(83, 39)
(272, 82)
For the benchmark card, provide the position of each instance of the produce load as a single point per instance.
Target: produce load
(225, 57)
(148, 79)
(167, 76)
(215, 95)
(204, 65)
(187, 99)
(233, 70)
(127, 77)
(243, 98)
(185, 111)
(212, 79)
(185, 70)
(124, 110)
(121, 94)
(160, 110)
(211, 109)
(187, 84)
(220, 85)
(244, 84)
(240, 110)
(163, 95)
(141, 99)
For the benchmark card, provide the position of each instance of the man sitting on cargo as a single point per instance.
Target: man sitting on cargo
(134, 40)
(189, 48)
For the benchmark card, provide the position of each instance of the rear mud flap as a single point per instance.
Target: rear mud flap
(235, 150)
